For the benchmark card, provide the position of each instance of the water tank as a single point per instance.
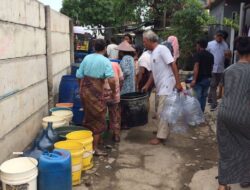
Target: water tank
(78, 111)
(67, 89)
(55, 171)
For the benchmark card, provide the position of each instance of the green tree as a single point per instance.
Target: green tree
(100, 12)
(188, 25)
(163, 10)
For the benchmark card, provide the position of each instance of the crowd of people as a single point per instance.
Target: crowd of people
(115, 70)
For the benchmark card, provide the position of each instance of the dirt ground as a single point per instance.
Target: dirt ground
(179, 164)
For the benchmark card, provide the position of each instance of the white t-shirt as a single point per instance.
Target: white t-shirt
(112, 52)
(164, 79)
(144, 60)
(218, 51)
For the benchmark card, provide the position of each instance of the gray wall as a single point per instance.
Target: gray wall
(60, 50)
(24, 69)
(232, 7)
(247, 22)
(218, 12)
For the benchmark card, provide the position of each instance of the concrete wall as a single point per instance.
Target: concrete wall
(232, 7)
(247, 22)
(60, 48)
(218, 12)
(24, 69)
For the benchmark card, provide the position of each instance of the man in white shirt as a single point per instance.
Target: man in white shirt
(220, 50)
(144, 69)
(164, 75)
(111, 49)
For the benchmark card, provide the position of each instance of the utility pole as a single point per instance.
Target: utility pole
(242, 5)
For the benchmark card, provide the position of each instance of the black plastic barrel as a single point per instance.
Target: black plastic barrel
(67, 89)
(63, 131)
(134, 108)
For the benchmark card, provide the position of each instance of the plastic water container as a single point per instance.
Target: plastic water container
(64, 105)
(55, 171)
(63, 131)
(19, 173)
(86, 138)
(134, 108)
(67, 88)
(76, 150)
(59, 109)
(57, 121)
(64, 114)
(78, 110)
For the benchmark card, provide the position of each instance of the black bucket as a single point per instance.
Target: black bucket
(134, 108)
(63, 131)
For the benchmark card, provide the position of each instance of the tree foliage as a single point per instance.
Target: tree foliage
(119, 12)
(100, 12)
(160, 8)
(188, 24)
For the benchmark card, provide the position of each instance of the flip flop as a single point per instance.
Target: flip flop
(245, 184)
(226, 187)
(100, 153)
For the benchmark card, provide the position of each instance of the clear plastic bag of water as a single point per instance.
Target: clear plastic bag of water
(192, 110)
(172, 108)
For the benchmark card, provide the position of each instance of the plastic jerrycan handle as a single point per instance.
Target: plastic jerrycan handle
(52, 155)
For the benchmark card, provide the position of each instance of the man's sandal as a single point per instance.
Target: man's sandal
(225, 187)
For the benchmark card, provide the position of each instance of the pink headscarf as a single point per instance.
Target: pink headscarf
(174, 41)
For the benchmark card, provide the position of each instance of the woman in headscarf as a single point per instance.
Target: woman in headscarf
(233, 123)
(93, 71)
(126, 55)
(175, 44)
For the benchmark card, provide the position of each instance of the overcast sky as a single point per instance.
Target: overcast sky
(54, 4)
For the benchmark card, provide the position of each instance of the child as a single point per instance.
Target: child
(113, 102)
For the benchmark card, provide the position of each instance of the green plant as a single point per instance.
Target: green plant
(187, 24)
(231, 23)
(105, 13)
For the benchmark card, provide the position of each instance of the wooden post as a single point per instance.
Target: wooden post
(49, 56)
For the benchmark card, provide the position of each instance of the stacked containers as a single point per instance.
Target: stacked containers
(19, 173)
(65, 114)
(76, 150)
(64, 105)
(56, 121)
(86, 139)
